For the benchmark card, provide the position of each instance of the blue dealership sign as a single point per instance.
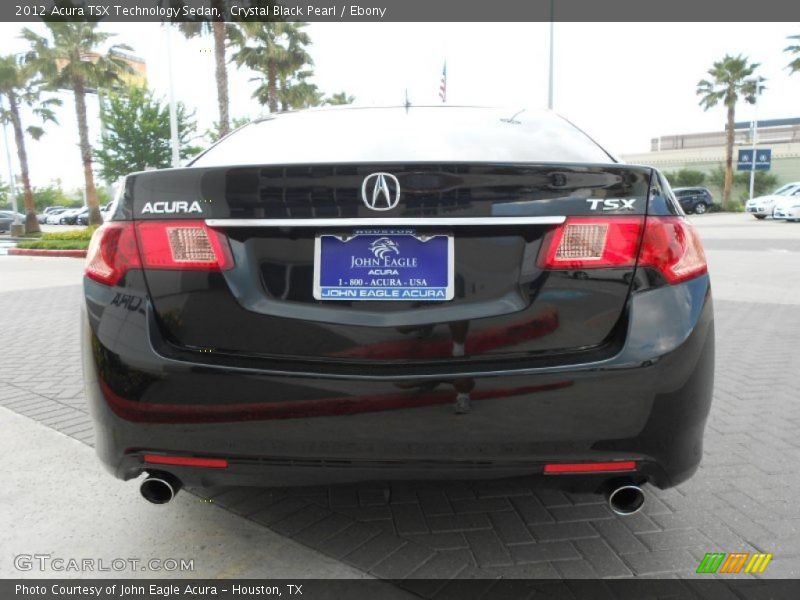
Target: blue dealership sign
(763, 159)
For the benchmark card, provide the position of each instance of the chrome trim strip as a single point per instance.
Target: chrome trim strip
(384, 222)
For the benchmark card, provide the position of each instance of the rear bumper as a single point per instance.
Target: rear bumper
(647, 403)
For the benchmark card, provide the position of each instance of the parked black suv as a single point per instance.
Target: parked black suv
(694, 199)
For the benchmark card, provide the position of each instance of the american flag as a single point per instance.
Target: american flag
(443, 84)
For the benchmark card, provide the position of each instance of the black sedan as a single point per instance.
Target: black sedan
(400, 293)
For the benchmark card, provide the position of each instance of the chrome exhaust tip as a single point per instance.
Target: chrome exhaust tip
(160, 488)
(626, 499)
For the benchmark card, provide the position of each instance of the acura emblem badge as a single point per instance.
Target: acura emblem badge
(380, 191)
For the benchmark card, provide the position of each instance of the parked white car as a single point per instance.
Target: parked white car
(788, 207)
(764, 206)
(69, 216)
(54, 215)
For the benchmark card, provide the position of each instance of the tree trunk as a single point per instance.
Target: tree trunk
(222, 77)
(31, 223)
(86, 152)
(284, 105)
(272, 86)
(728, 187)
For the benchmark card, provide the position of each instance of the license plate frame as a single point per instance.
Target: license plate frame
(343, 290)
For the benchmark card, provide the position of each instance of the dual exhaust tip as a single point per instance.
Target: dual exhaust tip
(625, 499)
(161, 488)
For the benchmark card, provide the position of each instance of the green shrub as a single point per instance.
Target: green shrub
(77, 239)
(54, 244)
(75, 234)
(54, 195)
(685, 178)
(763, 183)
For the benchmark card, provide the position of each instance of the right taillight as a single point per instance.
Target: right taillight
(672, 247)
(668, 244)
(591, 243)
(119, 246)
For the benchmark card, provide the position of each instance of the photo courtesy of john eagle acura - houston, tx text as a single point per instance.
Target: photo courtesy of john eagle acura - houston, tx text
(355, 294)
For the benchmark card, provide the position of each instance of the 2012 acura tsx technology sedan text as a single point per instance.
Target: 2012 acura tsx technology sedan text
(400, 293)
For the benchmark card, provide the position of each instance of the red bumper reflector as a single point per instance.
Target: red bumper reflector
(186, 461)
(596, 467)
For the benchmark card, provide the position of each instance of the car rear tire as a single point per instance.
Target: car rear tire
(760, 217)
(700, 208)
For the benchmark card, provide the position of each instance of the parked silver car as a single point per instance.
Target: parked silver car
(54, 216)
(788, 207)
(42, 217)
(764, 206)
(7, 218)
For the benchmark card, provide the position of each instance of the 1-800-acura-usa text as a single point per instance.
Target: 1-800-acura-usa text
(405, 292)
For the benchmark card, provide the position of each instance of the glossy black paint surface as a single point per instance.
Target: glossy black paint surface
(323, 191)
(504, 304)
(648, 401)
(557, 366)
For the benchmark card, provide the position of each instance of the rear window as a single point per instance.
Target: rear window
(417, 134)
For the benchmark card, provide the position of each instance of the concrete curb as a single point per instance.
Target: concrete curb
(42, 252)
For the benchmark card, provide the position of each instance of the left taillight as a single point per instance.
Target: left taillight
(183, 245)
(112, 251)
(117, 247)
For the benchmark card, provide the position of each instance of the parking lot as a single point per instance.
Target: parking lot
(743, 499)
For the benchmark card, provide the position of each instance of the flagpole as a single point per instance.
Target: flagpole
(173, 111)
(443, 84)
(552, 30)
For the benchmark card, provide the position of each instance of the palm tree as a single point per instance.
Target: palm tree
(220, 31)
(339, 98)
(297, 92)
(793, 66)
(5, 189)
(18, 87)
(275, 50)
(71, 62)
(731, 78)
(213, 134)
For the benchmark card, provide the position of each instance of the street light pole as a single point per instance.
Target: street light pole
(17, 224)
(755, 138)
(552, 30)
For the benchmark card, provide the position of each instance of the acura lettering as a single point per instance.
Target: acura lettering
(164, 208)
